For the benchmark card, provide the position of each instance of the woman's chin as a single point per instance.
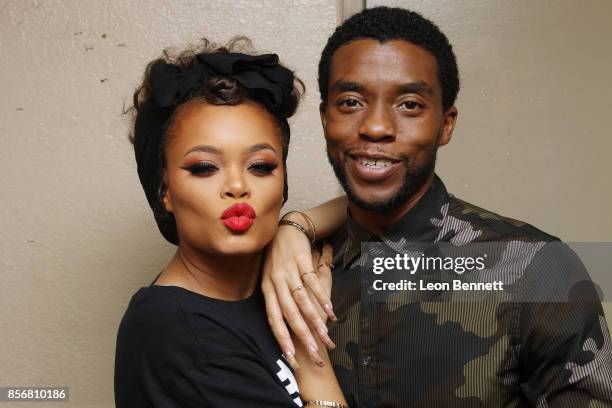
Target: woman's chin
(239, 245)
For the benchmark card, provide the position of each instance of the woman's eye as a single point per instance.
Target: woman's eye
(202, 168)
(262, 168)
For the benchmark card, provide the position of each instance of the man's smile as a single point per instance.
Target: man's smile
(372, 166)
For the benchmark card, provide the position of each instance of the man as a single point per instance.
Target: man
(388, 81)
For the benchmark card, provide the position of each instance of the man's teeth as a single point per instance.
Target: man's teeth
(380, 163)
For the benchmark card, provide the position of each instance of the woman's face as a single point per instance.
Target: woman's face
(224, 177)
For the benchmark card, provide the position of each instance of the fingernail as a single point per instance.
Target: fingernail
(291, 360)
(314, 355)
(329, 343)
(330, 312)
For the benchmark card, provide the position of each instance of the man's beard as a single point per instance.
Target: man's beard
(414, 179)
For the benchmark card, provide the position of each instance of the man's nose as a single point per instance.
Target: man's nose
(378, 125)
(235, 185)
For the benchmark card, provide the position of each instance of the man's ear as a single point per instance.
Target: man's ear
(322, 107)
(448, 125)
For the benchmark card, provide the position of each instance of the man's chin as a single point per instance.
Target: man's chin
(372, 200)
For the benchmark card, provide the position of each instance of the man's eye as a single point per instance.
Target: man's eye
(201, 169)
(262, 168)
(411, 105)
(349, 103)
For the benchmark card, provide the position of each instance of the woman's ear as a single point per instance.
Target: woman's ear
(166, 196)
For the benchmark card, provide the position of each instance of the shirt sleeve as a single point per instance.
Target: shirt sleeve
(233, 381)
(565, 347)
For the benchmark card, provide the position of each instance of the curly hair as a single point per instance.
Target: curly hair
(393, 23)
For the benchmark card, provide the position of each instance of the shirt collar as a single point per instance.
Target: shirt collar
(419, 224)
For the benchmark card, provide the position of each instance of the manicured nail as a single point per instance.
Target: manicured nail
(314, 355)
(323, 334)
(330, 312)
(291, 360)
(327, 341)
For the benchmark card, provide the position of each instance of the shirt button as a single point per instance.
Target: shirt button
(366, 361)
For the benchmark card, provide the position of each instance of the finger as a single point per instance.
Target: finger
(321, 294)
(277, 324)
(294, 318)
(311, 311)
(325, 265)
(306, 268)
(324, 273)
(316, 254)
(321, 285)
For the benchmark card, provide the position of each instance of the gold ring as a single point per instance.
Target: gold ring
(306, 273)
(299, 287)
(329, 265)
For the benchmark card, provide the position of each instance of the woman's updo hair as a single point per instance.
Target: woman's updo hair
(203, 73)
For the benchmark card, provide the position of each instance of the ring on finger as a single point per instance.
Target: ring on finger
(325, 263)
(298, 287)
(306, 273)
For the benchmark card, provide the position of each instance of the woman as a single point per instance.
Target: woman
(211, 140)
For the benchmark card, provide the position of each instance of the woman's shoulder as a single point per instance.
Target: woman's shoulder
(153, 319)
(167, 319)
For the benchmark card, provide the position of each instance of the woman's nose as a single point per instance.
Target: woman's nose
(235, 185)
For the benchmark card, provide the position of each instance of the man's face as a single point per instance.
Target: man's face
(384, 121)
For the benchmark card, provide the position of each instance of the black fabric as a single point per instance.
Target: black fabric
(171, 85)
(176, 348)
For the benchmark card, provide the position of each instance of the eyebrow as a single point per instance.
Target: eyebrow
(214, 150)
(342, 85)
(418, 87)
(258, 147)
(204, 148)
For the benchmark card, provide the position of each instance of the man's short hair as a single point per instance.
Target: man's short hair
(385, 24)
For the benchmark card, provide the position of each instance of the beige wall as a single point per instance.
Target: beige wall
(77, 236)
(531, 141)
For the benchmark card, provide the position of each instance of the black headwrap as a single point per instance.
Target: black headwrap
(270, 84)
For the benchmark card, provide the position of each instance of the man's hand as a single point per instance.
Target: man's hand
(297, 286)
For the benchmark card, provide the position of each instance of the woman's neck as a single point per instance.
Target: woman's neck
(219, 277)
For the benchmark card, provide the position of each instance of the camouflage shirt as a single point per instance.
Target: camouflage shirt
(414, 353)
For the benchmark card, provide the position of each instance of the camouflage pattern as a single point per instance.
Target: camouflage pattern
(414, 353)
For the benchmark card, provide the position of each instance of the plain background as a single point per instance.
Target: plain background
(78, 238)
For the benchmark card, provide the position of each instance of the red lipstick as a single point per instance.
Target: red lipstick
(238, 217)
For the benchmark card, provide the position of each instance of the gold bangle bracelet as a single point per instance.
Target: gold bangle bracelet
(308, 220)
(331, 404)
(294, 225)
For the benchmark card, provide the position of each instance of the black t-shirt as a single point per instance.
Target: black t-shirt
(177, 348)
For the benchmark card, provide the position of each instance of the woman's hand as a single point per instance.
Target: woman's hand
(288, 266)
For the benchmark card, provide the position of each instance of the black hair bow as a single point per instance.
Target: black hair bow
(273, 83)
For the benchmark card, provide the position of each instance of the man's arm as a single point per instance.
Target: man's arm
(565, 348)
